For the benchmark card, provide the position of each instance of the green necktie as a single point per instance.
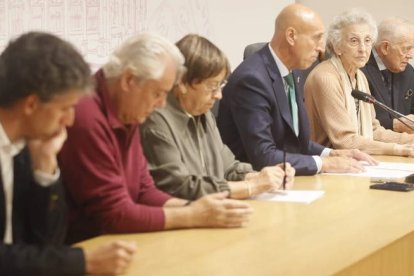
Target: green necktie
(292, 102)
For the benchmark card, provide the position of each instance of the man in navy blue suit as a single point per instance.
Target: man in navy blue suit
(262, 112)
(390, 76)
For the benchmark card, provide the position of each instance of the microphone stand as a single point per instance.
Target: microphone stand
(394, 114)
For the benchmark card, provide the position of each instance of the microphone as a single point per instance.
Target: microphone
(365, 97)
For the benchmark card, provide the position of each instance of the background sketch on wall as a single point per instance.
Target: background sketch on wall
(173, 19)
(96, 27)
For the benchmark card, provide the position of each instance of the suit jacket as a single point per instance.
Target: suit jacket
(403, 90)
(39, 228)
(255, 121)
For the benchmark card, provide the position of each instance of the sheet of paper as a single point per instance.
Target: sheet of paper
(384, 169)
(291, 196)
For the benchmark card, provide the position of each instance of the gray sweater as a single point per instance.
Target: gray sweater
(186, 155)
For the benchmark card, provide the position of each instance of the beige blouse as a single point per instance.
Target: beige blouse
(332, 113)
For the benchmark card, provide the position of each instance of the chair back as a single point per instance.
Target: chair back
(253, 48)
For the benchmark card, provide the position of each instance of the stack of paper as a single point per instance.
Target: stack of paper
(291, 196)
(384, 169)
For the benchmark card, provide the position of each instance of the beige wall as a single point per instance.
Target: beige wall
(237, 23)
(378, 8)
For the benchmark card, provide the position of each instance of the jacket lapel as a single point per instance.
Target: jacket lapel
(396, 86)
(278, 86)
(377, 81)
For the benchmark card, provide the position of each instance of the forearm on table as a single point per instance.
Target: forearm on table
(178, 217)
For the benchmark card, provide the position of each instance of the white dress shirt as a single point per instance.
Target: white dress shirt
(380, 64)
(8, 151)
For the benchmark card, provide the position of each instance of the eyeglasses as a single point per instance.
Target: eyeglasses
(405, 50)
(214, 88)
(357, 42)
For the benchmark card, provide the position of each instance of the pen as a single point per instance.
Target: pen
(284, 169)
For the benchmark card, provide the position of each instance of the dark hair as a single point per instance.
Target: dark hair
(202, 58)
(42, 64)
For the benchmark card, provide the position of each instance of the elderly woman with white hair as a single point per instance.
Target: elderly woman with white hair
(338, 120)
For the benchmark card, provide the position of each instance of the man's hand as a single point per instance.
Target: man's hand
(339, 164)
(111, 258)
(355, 154)
(44, 152)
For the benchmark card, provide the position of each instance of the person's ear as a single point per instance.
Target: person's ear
(291, 36)
(30, 104)
(126, 80)
(384, 48)
(337, 49)
(182, 88)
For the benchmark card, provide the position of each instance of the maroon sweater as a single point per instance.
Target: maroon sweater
(109, 188)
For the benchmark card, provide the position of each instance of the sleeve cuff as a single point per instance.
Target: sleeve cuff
(326, 152)
(45, 179)
(318, 161)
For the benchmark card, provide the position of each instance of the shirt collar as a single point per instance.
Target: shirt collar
(107, 105)
(284, 71)
(5, 143)
(380, 64)
(182, 117)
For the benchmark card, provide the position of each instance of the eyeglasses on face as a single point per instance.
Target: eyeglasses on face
(404, 49)
(357, 42)
(213, 88)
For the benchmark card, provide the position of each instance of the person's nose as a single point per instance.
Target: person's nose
(162, 101)
(218, 94)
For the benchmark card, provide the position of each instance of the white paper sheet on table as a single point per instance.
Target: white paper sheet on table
(384, 169)
(291, 196)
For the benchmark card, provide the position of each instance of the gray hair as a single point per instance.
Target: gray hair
(351, 17)
(42, 64)
(392, 28)
(144, 55)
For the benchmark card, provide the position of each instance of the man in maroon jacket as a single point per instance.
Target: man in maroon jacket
(105, 172)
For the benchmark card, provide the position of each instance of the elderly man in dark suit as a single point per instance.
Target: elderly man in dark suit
(390, 76)
(41, 79)
(262, 114)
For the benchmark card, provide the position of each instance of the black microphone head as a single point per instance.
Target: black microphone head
(359, 95)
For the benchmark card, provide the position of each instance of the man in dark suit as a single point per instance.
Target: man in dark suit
(262, 112)
(41, 79)
(390, 76)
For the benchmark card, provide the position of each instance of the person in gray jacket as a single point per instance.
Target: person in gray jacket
(185, 153)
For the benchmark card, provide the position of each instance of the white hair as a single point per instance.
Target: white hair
(144, 55)
(345, 19)
(393, 28)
